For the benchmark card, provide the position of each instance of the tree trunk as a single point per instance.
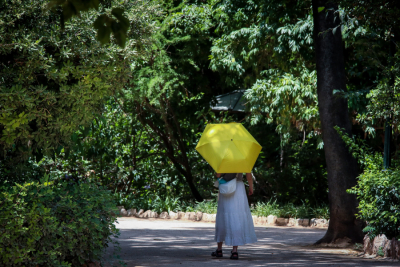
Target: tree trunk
(281, 154)
(341, 166)
(166, 141)
(189, 181)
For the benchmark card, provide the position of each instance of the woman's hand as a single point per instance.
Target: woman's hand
(250, 180)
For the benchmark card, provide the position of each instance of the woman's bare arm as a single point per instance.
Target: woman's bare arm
(250, 181)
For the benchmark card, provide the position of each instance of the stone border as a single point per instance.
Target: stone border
(205, 217)
(381, 246)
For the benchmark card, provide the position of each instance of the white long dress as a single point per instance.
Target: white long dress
(234, 224)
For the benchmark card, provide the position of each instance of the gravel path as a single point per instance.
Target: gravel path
(155, 242)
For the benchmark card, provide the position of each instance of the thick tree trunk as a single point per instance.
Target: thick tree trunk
(341, 166)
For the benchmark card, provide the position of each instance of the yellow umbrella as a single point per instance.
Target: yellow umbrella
(228, 148)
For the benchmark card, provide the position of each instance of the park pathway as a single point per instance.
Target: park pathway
(155, 242)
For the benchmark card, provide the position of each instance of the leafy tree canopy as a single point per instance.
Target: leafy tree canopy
(54, 80)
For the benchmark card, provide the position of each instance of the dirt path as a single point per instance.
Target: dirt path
(152, 242)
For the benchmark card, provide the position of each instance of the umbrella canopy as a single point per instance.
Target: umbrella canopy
(228, 148)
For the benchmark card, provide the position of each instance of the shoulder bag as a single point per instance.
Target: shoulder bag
(228, 188)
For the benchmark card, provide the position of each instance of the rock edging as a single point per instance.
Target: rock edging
(205, 217)
(381, 246)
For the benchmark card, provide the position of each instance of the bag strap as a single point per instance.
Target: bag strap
(229, 178)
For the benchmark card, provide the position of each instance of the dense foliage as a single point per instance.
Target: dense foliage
(290, 211)
(377, 191)
(129, 117)
(53, 81)
(151, 123)
(379, 196)
(61, 223)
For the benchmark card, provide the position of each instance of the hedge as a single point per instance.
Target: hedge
(59, 223)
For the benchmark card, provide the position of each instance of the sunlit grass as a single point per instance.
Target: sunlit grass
(289, 210)
(205, 207)
(272, 207)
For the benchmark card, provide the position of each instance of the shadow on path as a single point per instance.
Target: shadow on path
(149, 242)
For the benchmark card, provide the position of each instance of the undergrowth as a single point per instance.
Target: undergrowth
(272, 207)
(289, 210)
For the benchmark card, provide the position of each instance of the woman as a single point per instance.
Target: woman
(234, 224)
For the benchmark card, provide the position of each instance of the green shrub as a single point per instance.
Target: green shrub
(378, 192)
(209, 207)
(266, 209)
(165, 204)
(301, 177)
(59, 223)
(289, 210)
(131, 201)
(12, 172)
(380, 252)
(321, 212)
(147, 202)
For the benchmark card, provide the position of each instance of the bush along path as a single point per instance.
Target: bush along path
(56, 223)
(206, 217)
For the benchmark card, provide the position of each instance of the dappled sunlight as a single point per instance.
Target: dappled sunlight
(106, 109)
(182, 243)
